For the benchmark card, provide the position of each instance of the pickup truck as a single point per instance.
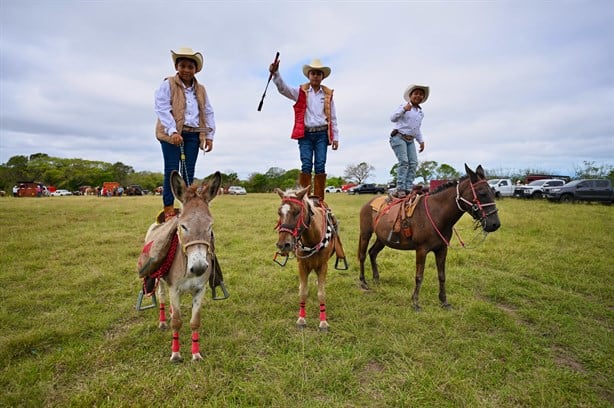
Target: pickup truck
(502, 187)
(535, 189)
(367, 189)
(583, 190)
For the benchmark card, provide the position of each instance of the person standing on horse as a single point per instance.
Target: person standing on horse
(185, 121)
(315, 122)
(407, 119)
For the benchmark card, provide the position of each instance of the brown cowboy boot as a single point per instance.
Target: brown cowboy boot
(304, 180)
(319, 184)
(169, 212)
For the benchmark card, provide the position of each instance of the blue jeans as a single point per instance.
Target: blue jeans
(312, 148)
(407, 159)
(172, 159)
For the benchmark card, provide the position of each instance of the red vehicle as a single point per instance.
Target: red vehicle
(346, 187)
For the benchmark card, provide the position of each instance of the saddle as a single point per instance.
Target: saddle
(158, 252)
(401, 209)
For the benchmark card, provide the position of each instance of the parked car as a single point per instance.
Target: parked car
(236, 190)
(583, 190)
(332, 189)
(134, 190)
(61, 192)
(346, 187)
(367, 188)
(502, 187)
(535, 189)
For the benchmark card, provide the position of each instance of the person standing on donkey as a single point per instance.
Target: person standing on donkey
(315, 122)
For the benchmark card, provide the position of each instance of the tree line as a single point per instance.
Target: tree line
(71, 174)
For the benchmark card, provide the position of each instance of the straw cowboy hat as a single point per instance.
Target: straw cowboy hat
(185, 52)
(412, 88)
(317, 65)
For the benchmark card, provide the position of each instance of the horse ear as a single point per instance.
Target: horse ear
(214, 186)
(278, 191)
(480, 172)
(301, 193)
(471, 174)
(178, 186)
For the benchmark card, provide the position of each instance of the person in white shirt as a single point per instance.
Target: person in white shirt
(185, 121)
(315, 122)
(407, 119)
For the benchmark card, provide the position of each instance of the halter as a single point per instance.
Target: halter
(476, 209)
(184, 247)
(297, 229)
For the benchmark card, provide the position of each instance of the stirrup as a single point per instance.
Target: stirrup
(345, 263)
(139, 302)
(224, 291)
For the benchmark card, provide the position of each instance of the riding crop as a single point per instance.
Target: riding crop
(267, 84)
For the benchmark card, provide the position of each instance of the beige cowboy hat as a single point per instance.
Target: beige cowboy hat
(317, 65)
(185, 52)
(412, 88)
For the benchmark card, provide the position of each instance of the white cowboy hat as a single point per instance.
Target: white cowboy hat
(316, 64)
(412, 88)
(185, 52)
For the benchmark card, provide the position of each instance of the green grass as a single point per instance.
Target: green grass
(531, 323)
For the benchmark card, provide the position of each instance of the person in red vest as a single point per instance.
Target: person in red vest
(315, 122)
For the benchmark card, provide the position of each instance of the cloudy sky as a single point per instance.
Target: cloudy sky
(514, 84)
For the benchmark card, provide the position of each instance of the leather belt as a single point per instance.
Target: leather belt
(408, 138)
(316, 128)
(196, 129)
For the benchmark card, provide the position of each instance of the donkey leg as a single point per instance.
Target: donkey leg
(197, 301)
(175, 325)
(323, 327)
(440, 260)
(420, 261)
(302, 294)
(162, 288)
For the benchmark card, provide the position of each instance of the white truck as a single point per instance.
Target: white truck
(535, 189)
(502, 187)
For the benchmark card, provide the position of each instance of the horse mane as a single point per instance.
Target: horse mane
(448, 184)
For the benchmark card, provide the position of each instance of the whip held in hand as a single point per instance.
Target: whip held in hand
(267, 85)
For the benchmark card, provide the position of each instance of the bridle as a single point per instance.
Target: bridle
(475, 208)
(302, 222)
(185, 246)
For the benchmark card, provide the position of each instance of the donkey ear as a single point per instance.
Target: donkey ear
(213, 186)
(278, 191)
(178, 186)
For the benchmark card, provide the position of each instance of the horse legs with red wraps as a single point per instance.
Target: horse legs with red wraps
(322, 297)
(302, 294)
(420, 262)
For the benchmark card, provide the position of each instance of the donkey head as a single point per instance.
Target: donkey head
(195, 221)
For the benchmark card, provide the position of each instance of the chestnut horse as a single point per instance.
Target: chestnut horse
(193, 259)
(429, 228)
(311, 233)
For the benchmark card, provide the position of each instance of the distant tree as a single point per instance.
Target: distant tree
(358, 173)
(426, 170)
(592, 170)
(335, 181)
(446, 172)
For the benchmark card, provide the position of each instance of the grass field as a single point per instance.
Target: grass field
(531, 320)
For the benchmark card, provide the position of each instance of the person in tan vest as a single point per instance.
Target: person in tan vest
(185, 122)
(315, 122)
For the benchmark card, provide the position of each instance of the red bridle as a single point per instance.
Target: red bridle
(300, 225)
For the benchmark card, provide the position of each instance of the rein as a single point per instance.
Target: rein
(475, 207)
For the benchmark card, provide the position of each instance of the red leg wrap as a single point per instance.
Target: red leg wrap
(175, 345)
(322, 311)
(195, 345)
(162, 313)
(301, 310)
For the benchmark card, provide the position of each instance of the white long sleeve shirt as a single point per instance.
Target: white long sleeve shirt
(163, 109)
(314, 114)
(408, 122)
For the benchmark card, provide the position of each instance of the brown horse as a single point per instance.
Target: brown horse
(310, 231)
(193, 259)
(429, 228)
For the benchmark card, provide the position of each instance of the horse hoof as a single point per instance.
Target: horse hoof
(323, 329)
(446, 306)
(163, 326)
(417, 308)
(176, 358)
(364, 285)
(197, 357)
